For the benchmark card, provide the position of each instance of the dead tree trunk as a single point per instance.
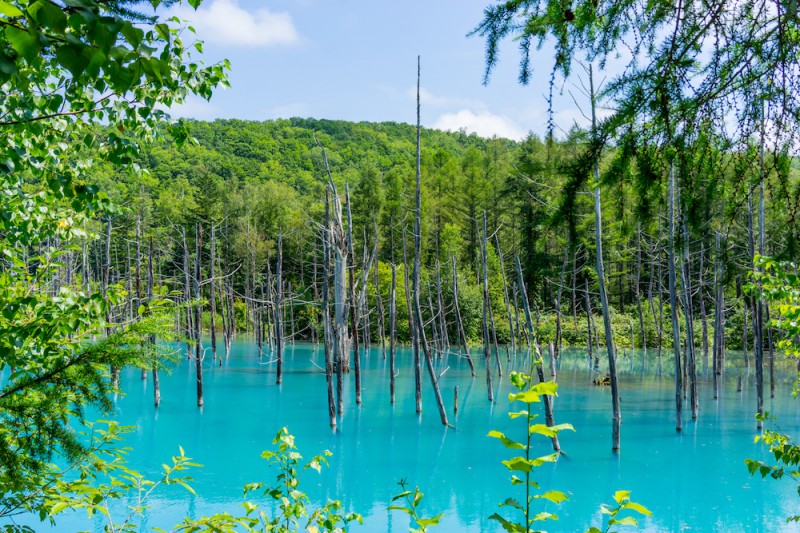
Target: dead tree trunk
(326, 315)
(412, 327)
(392, 330)
(673, 303)
(106, 283)
(417, 265)
(338, 243)
(537, 362)
(154, 359)
(689, 320)
(278, 320)
(351, 288)
(508, 300)
(487, 342)
(198, 313)
(379, 320)
(461, 334)
(213, 294)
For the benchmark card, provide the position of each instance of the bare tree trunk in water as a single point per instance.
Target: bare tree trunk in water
(508, 300)
(461, 334)
(106, 283)
(326, 315)
(533, 345)
(417, 265)
(392, 330)
(338, 243)
(379, 322)
(598, 233)
(155, 362)
(487, 342)
(673, 303)
(278, 321)
(198, 313)
(689, 319)
(213, 294)
(351, 273)
(412, 330)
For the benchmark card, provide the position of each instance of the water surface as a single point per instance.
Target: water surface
(695, 480)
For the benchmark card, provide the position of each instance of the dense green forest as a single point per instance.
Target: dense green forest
(254, 181)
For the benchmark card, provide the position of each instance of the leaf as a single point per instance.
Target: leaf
(511, 502)
(555, 496)
(641, 509)
(627, 521)
(10, 10)
(25, 43)
(508, 443)
(425, 522)
(622, 495)
(73, 58)
(518, 464)
(195, 3)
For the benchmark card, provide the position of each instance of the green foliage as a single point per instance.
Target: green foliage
(623, 503)
(294, 510)
(66, 69)
(522, 466)
(103, 478)
(779, 283)
(410, 503)
(787, 456)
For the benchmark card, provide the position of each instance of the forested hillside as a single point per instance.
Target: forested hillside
(251, 182)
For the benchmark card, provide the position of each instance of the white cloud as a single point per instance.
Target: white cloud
(194, 107)
(482, 123)
(225, 22)
(428, 98)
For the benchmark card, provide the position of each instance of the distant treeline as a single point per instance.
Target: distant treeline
(254, 181)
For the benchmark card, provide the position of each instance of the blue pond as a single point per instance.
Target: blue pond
(693, 481)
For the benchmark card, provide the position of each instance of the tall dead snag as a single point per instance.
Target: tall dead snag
(559, 293)
(154, 362)
(278, 321)
(487, 342)
(213, 293)
(392, 329)
(326, 315)
(351, 274)
(462, 336)
(598, 235)
(379, 321)
(138, 261)
(187, 295)
(689, 321)
(441, 309)
(673, 303)
(537, 361)
(511, 334)
(420, 330)
(759, 300)
(198, 313)
(338, 245)
(718, 318)
(412, 327)
(106, 283)
(703, 314)
(638, 290)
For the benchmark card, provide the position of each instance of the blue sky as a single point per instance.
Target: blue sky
(356, 60)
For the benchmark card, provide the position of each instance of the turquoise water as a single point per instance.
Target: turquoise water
(693, 481)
